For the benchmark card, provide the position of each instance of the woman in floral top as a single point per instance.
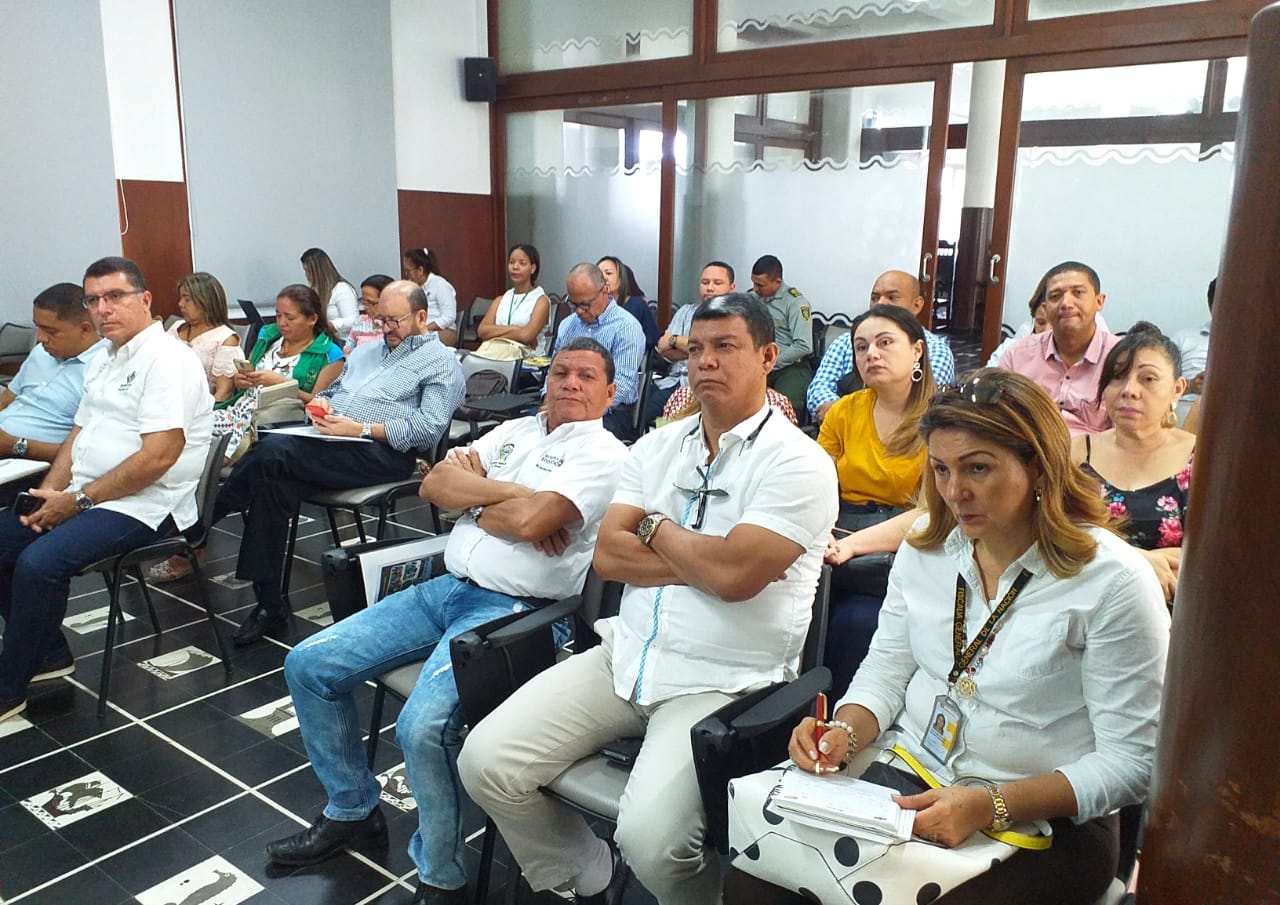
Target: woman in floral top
(1143, 463)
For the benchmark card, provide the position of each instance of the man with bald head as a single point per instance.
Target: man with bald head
(893, 287)
(397, 396)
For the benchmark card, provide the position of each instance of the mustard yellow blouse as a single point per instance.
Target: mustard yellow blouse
(867, 473)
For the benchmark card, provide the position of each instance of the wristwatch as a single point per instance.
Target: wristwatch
(83, 503)
(20, 447)
(1001, 821)
(475, 511)
(648, 526)
(671, 343)
(366, 432)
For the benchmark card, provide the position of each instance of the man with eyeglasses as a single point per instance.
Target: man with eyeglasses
(38, 407)
(599, 318)
(718, 529)
(397, 395)
(125, 476)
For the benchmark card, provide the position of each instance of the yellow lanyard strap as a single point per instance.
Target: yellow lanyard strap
(1009, 837)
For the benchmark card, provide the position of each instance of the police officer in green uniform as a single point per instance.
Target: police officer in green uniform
(791, 313)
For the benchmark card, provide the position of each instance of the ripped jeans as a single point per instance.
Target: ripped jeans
(323, 672)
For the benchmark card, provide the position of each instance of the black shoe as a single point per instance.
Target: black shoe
(258, 623)
(326, 838)
(611, 894)
(54, 668)
(11, 707)
(434, 895)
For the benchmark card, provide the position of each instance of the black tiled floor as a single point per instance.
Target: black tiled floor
(202, 781)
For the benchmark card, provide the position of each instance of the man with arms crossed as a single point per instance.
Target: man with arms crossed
(126, 476)
(718, 529)
(535, 490)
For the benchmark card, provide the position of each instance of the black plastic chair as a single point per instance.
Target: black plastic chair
(114, 569)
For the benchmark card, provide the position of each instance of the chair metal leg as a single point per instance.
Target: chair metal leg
(333, 526)
(291, 542)
(359, 517)
(375, 724)
(203, 593)
(486, 860)
(113, 606)
(384, 513)
(136, 572)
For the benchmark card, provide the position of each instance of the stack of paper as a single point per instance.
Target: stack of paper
(843, 802)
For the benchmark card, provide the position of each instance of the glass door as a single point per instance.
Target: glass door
(1128, 169)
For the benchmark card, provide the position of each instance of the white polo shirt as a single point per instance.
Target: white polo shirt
(774, 477)
(580, 461)
(152, 383)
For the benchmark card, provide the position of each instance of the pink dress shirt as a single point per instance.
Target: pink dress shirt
(1073, 388)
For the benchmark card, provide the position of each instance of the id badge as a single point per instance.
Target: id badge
(943, 729)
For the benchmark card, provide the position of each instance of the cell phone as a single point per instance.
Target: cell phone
(243, 366)
(316, 410)
(25, 503)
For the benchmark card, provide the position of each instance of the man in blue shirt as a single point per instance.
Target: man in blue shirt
(398, 395)
(602, 320)
(38, 407)
(893, 287)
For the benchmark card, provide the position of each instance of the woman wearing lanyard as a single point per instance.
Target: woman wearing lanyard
(1037, 635)
(521, 313)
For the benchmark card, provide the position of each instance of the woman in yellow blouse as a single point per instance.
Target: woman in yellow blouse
(872, 436)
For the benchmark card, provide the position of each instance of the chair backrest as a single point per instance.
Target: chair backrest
(473, 364)
(815, 643)
(601, 599)
(255, 323)
(207, 489)
(16, 342)
(469, 323)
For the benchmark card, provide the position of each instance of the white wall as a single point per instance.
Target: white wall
(142, 89)
(442, 140)
(288, 116)
(57, 191)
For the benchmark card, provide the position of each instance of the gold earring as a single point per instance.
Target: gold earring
(1171, 419)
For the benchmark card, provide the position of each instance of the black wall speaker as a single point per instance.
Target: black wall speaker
(480, 76)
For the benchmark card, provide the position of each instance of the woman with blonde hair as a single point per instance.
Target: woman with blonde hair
(1143, 462)
(341, 301)
(202, 302)
(1041, 636)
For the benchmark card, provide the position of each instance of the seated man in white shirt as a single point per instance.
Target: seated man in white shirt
(718, 529)
(124, 477)
(38, 407)
(535, 490)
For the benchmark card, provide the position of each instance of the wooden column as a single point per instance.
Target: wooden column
(1214, 830)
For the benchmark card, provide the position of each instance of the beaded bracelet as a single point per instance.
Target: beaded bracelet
(853, 738)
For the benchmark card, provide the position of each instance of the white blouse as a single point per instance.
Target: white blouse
(515, 311)
(344, 306)
(442, 301)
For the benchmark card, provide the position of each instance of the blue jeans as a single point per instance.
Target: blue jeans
(39, 568)
(412, 625)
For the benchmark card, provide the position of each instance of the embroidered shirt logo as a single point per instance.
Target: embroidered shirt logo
(128, 382)
(504, 453)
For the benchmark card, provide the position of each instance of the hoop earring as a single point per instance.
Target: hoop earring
(1171, 419)
(917, 372)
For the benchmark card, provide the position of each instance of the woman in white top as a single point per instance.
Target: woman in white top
(1050, 705)
(521, 313)
(339, 296)
(202, 302)
(419, 265)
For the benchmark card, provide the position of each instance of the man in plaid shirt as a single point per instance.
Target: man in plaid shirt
(398, 396)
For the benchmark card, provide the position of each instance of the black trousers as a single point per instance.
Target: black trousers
(268, 484)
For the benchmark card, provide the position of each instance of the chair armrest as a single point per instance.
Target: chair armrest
(492, 660)
(787, 703)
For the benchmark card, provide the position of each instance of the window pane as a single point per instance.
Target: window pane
(1053, 9)
(748, 24)
(1157, 89)
(1235, 85)
(567, 170)
(832, 182)
(570, 33)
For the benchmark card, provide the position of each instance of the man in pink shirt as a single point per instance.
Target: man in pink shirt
(1067, 358)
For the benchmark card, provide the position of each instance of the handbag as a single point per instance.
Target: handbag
(867, 574)
(830, 863)
(501, 349)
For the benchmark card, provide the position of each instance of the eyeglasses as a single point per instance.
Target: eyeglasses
(580, 306)
(974, 391)
(112, 296)
(382, 323)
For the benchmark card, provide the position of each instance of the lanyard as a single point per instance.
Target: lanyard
(511, 309)
(964, 655)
